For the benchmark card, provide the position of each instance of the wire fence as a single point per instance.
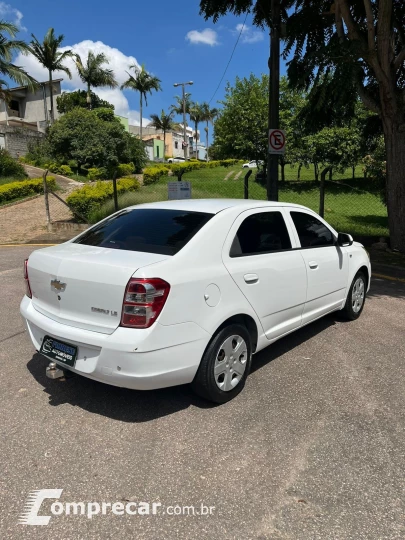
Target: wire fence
(352, 203)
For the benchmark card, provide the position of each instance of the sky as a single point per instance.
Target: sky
(173, 41)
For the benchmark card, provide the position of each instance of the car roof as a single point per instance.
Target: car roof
(213, 206)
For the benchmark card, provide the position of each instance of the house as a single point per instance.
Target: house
(154, 149)
(30, 109)
(174, 139)
(201, 151)
(25, 116)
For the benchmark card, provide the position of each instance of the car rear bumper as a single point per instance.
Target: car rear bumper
(138, 359)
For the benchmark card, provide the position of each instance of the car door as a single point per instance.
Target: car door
(259, 255)
(326, 264)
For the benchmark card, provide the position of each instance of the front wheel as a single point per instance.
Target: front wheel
(356, 297)
(225, 365)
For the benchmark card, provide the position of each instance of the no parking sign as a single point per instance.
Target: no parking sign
(277, 141)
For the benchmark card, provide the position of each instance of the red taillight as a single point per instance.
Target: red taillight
(26, 279)
(143, 301)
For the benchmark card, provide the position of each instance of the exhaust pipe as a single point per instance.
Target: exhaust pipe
(54, 372)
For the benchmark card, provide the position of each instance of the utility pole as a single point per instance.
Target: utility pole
(274, 97)
(185, 144)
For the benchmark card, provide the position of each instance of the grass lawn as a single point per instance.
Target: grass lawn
(346, 209)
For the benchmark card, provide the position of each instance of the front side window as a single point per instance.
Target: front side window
(311, 231)
(261, 233)
(158, 231)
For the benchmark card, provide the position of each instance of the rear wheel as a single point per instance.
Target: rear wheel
(356, 297)
(225, 365)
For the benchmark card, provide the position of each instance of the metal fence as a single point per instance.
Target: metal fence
(351, 205)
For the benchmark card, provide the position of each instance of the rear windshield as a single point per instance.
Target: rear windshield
(149, 230)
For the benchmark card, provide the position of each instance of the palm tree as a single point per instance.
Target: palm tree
(47, 53)
(8, 49)
(208, 116)
(177, 108)
(143, 82)
(93, 74)
(196, 115)
(164, 122)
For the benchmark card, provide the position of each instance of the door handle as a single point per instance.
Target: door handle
(313, 265)
(251, 278)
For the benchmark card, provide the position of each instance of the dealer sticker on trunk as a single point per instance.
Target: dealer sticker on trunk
(59, 351)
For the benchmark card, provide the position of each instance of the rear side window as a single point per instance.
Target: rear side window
(311, 231)
(261, 233)
(158, 231)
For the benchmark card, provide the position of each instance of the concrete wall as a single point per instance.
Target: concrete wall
(17, 139)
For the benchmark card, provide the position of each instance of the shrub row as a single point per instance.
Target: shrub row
(24, 188)
(153, 174)
(89, 198)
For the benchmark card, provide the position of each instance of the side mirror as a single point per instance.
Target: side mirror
(344, 240)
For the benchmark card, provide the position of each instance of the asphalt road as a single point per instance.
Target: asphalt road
(313, 448)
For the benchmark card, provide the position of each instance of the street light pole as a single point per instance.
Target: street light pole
(183, 85)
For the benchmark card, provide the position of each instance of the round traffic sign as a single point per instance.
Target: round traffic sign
(277, 139)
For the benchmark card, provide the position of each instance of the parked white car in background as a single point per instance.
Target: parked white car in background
(177, 159)
(252, 164)
(182, 292)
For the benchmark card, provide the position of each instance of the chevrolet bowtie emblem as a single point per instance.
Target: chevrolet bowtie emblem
(57, 286)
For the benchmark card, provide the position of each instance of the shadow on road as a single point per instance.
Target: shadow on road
(136, 406)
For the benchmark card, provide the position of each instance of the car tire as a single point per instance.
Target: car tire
(225, 365)
(356, 297)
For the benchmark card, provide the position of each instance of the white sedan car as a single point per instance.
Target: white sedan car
(252, 164)
(177, 159)
(180, 292)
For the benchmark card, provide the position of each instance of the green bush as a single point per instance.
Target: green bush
(90, 197)
(153, 174)
(125, 169)
(10, 166)
(65, 170)
(16, 190)
(96, 173)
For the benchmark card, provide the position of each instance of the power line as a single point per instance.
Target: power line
(230, 59)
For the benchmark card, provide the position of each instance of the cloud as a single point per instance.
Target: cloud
(7, 12)
(248, 34)
(206, 36)
(118, 62)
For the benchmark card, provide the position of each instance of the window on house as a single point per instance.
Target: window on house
(15, 106)
(157, 152)
(176, 145)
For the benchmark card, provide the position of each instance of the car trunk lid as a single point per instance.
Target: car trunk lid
(83, 286)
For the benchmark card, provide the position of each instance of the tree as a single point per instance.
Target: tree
(196, 113)
(164, 123)
(48, 54)
(209, 116)
(67, 101)
(358, 44)
(8, 49)
(84, 136)
(332, 148)
(177, 108)
(241, 126)
(144, 83)
(93, 74)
